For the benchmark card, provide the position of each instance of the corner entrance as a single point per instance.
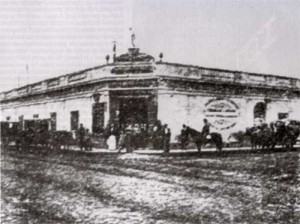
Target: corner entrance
(133, 111)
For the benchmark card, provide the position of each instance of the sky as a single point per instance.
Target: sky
(40, 39)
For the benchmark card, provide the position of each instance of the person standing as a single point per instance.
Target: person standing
(156, 138)
(206, 130)
(163, 131)
(122, 142)
(184, 136)
(128, 138)
(88, 140)
(81, 134)
(115, 130)
(167, 139)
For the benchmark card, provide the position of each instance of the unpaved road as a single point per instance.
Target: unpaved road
(129, 188)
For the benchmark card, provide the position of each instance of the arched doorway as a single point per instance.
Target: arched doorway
(260, 112)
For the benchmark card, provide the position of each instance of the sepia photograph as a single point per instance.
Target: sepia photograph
(150, 111)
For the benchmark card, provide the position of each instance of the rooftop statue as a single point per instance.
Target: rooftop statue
(132, 37)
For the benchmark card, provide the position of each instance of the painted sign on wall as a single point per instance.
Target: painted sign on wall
(222, 113)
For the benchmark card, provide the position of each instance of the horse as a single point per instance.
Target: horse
(265, 138)
(285, 135)
(200, 140)
(252, 133)
(261, 137)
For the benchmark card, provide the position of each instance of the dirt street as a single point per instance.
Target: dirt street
(74, 187)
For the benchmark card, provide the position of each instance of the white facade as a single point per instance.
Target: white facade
(178, 108)
(62, 107)
(176, 94)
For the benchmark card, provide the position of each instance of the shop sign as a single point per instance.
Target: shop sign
(222, 113)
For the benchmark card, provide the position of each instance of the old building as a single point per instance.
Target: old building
(136, 89)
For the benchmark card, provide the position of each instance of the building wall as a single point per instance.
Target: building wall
(291, 107)
(235, 114)
(173, 107)
(176, 109)
(295, 114)
(62, 108)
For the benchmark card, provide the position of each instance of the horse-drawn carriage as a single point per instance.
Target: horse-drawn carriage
(284, 133)
(8, 132)
(35, 134)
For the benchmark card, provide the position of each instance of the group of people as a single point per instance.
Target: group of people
(134, 136)
(130, 136)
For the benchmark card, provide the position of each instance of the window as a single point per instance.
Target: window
(98, 117)
(74, 120)
(260, 111)
(8, 118)
(36, 116)
(53, 121)
(283, 116)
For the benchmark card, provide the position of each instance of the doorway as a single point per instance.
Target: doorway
(260, 110)
(133, 111)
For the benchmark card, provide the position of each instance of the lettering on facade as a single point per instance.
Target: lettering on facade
(283, 82)
(54, 82)
(36, 87)
(77, 77)
(254, 79)
(22, 91)
(224, 76)
(222, 113)
(10, 94)
(132, 70)
(193, 73)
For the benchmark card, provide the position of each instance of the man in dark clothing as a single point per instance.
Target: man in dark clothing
(128, 138)
(184, 136)
(81, 133)
(162, 135)
(167, 139)
(156, 137)
(87, 140)
(205, 129)
(122, 141)
(115, 130)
